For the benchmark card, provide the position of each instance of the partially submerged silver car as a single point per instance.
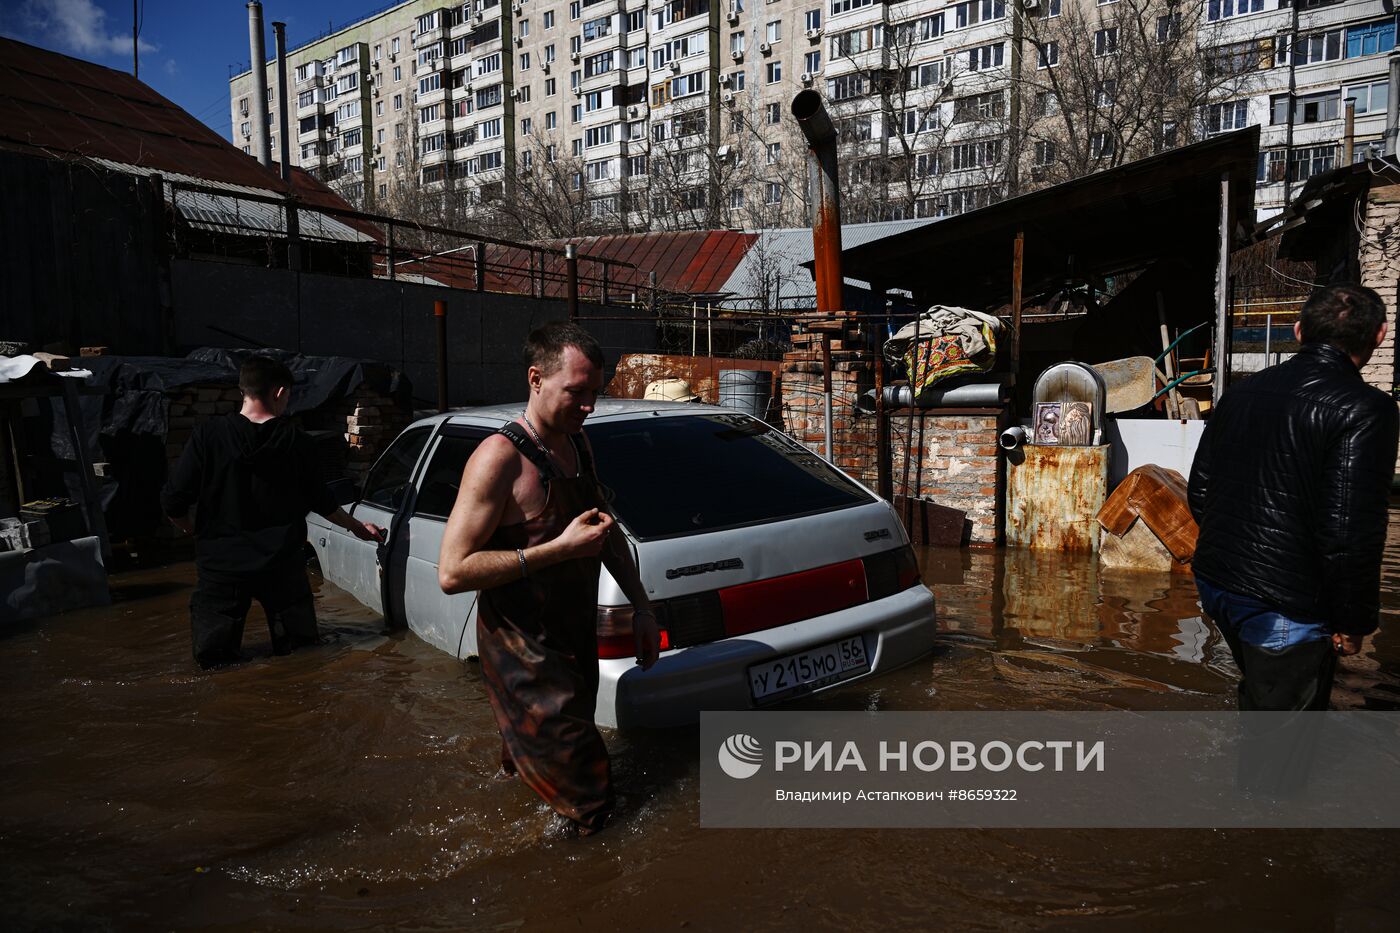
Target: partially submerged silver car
(774, 575)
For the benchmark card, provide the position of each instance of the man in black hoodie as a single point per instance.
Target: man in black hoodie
(252, 477)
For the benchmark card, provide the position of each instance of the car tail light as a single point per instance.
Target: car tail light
(615, 635)
(890, 572)
(908, 567)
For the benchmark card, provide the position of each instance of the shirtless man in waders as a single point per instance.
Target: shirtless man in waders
(529, 531)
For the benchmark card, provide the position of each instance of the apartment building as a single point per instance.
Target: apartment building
(675, 115)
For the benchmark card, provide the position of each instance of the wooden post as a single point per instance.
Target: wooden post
(571, 268)
(389, 256)
(440, 318)
(480, 252)
(1222, 292)
(1017, 261)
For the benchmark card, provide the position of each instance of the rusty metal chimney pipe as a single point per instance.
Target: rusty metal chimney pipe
(258, 112)
(824, 194)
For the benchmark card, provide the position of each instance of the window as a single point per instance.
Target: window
(433, 143)
(524, 61)
(429, 114)
(686, 85)
(379, 136)
(347, 55)
(1238, 58)
(736, 198)
(774, 72)
(524, 27)
(551, 120)
(736, 80)
(597, 28)
(1370, 38)
(1105, 92)
(1168, 28)
(774, 153)
(462, 107)
(1100, 145)
(736, 42)
(1049, 9)
(488, 97)
(636, 166)
(432, 82)
(550, 87)
(576, 113)
(394, 46)
(398, 72)
(428, 21)
(976, 154)
(597, 100)
(600, 170)
(773, 32)
(575, 9)
(548, 19)
(595, 65)
(1045, 152)
(398, 131)
(1231, 115)
(392, 474)
(1224, 9)
(578, 147)
(772, 193)
(853, 129)
(1318, 47)
(812, 63)
(1312, 160)
(636, 19)
(598, 136)
(1317, 108)
(489, 129)
(929, 74)
(978, 11)
(1169, 135)
(1272, 166)
(429, 53)
(985, 56)
(637, 58)
(772, 113)
(1369, 98)
(857, 40)
(488, 65)
(549, 52)
(379, 108)
(812, 19)
(988, 106)
(845, 87)
(1106, 42)
(846, 6)
(928, 164)
(1046, 104)
(1048, 55)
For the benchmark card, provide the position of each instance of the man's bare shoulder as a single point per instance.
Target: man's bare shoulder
(495, 456)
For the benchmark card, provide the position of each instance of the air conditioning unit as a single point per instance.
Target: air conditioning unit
(1030, 5)
(516, 8)
(725, 80)
(480, 15)
(375, 92)
(733, 15)
(722, 152)
(377, 148)
(738, 56)
(814, 34)
(727, 97)
(578, 92)
(765, 48)
(375, 64)
(634, 110)
(544, 66)
(519, 41)
(515, 94)
(393, 56)
(574, 57)
(806, 77)
(676, 67)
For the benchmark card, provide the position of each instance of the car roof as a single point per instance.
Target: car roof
(607, 409)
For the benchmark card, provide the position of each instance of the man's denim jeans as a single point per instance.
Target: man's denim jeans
(1254, 623)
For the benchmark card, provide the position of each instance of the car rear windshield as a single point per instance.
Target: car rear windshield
(696, 473)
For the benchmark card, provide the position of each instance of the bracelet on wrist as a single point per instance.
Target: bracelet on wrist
(524, 570)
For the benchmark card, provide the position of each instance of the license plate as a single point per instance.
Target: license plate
(808, 670)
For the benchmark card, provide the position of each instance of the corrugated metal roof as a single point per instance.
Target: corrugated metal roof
(778, 255)
(64, 108)
(236, 215)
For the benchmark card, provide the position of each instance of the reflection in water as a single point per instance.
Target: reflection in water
(351, 786)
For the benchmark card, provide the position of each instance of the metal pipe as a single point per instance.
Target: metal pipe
(824, 194)
(1268, 337)
(258, 112)
(1012, 437)
(1018, 256)
(440, 317)
(1392, 107)
(571, 267)
(284, 154)
(1349, 131)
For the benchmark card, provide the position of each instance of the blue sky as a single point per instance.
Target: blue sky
(186, 47)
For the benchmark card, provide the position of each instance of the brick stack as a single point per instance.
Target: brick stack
(853, 442)
(955, 462)
(1380, 262)
(191, 404)
(370, 421)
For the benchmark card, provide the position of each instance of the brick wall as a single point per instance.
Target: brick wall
(802, 406)
(955, 462)
(1380, 269)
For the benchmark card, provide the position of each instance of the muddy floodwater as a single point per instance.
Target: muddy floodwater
(351, 786)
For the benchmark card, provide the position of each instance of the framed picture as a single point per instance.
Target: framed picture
(1064, 424)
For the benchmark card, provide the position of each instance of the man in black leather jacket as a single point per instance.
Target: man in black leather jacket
(1290, 488)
